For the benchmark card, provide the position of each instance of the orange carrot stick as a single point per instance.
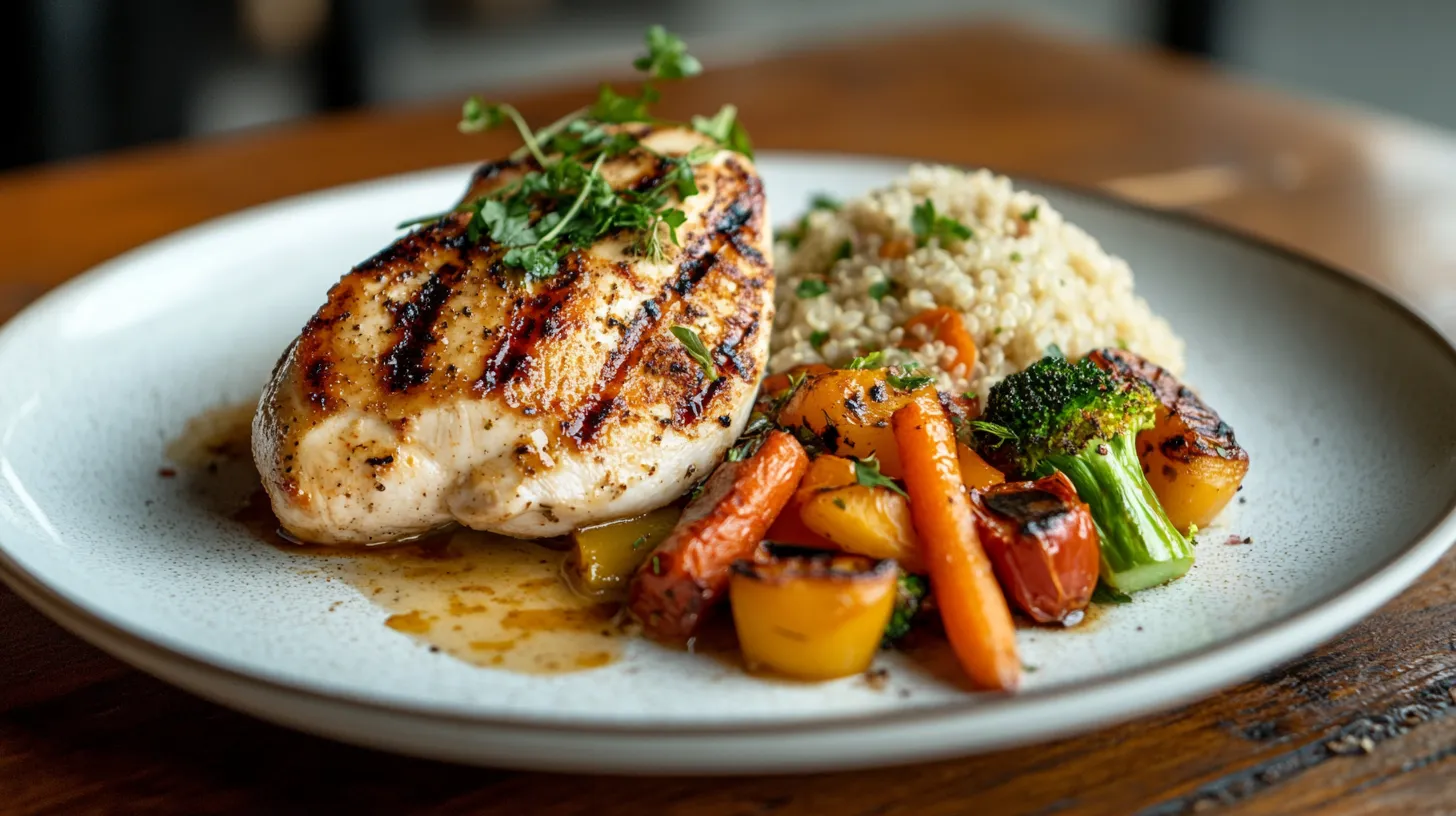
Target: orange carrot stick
(689, 571)
(945, 324)
(976, 617)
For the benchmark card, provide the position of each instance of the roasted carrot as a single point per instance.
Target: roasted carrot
(944, 324)
(689, 571)
(974, 611)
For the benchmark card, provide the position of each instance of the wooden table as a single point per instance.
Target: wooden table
(1363, 725)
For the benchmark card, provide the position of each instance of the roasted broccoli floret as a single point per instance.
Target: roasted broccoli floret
(1075, 418)
(910, 592)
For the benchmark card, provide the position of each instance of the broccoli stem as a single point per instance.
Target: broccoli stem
(1140, 547)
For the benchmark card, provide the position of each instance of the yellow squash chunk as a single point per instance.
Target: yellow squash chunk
(604, 558)
(872, 521)
(814, 616)
(850, 412)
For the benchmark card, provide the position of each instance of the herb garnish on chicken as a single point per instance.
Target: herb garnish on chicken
(567, 204)
(1075, 418)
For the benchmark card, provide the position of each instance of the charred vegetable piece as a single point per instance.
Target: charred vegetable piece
(688, 572)
(1077, 419)
(1043, 544)
(872, 521)
(603, 558)
(947, 326)
(775, 384)
(848, 413)
(823, 473)
(812, 614)
(972, 608)
(911, 592)
(976, 472)
(1190, 456)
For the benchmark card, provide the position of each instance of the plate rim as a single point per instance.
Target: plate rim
(1282, 639)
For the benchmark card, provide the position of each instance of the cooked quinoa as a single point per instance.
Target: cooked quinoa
(849, 280)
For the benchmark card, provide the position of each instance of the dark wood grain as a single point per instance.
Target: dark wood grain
(1364, 725)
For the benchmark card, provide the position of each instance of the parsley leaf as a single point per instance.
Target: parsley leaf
(867, 473)
(584, 139)
(563, 204)
(905, 380)
(928, 224)
(725, 129)
(537, 262)
(820, 201)
(845, 250)
(476, 116)
(818, 338)
(1000, 432)
(1031, 214)
(697, 350)
(874, 359)
(810, 288)
(614, 108)
(879, 289)
(667, 56)
(505, 227)
(674, 218)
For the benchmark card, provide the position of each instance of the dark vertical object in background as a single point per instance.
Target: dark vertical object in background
(21, 134)
(356, 33)
(151, 57)
(1190, 26)
(340, 57)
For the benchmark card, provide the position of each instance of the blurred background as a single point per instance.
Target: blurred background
(87, 76)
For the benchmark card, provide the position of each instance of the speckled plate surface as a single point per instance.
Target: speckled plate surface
(1341, 395)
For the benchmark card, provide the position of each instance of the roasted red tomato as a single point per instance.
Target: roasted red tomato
(1042, 544)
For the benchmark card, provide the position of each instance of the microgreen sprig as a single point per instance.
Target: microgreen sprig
(927, 224)
(565, 203)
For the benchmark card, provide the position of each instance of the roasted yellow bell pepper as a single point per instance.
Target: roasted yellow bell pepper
(872, 521)
(604, 558)
(975, 472)
(850, 411)
(813, 615)
(825, 472)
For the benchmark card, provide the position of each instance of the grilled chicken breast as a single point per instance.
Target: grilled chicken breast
(438, 385)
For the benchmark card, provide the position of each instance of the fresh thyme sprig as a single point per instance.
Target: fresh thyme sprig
(565, 203)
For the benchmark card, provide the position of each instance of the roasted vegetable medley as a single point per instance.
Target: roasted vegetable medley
(861, 503)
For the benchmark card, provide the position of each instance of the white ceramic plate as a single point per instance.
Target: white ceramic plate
(1342, 396)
